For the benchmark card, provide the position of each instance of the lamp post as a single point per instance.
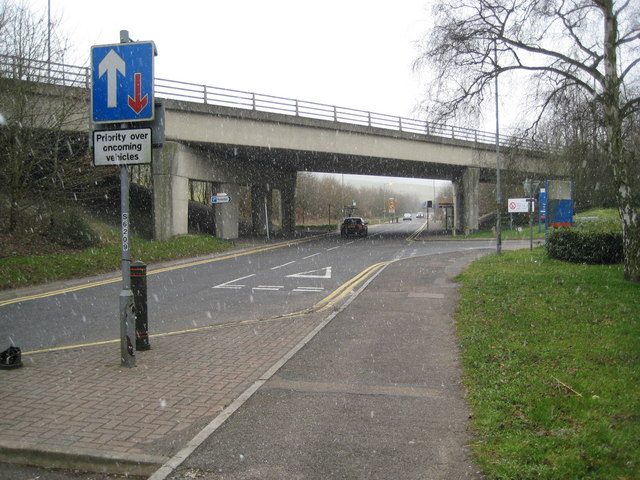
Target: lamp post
(498, 193)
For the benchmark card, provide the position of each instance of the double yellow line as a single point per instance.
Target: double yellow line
(414, 235)
(339, 293)
(326, 303)
(343, 290)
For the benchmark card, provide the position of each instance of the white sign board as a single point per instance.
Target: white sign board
(122, 147)
(220, 198)
(520, 205)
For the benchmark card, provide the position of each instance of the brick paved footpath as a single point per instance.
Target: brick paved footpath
(80, 407)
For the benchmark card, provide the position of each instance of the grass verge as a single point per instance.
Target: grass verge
(19, 271)
(551, 353)
(509, 234)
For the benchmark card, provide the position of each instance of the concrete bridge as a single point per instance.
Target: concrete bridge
(233, 139)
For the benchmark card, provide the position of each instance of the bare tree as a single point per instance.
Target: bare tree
(44, 161)
(586, 50)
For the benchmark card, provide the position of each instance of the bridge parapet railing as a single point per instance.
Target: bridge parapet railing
(40, 71)
(75, 76)
(269, 103)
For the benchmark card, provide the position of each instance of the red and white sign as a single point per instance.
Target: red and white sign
(520, 205)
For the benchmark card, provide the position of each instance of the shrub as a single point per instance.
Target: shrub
(596, 248)
(69, 228)
(600, 225)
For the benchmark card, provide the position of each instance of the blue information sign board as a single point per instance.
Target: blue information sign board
(558, 200)
(122, 82)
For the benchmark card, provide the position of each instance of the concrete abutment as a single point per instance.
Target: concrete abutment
(175, 164)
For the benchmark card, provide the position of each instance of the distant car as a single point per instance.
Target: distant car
(407, 217)
(420, 215)
(354, 226)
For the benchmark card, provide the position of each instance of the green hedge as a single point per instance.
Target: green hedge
(595, 248)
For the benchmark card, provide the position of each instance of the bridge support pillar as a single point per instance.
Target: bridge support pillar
(227, 214)
(466, 201)
(170, 193)
(287, 194)
(260, 197)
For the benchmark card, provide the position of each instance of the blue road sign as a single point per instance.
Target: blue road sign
(220, 198)
(122, 82)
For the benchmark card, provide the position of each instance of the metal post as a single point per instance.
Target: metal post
(266, 216)
(139, 289)
(530, 187)
(530, 222)
(498, 193)
(127, 318)
(427, 218)
(49, 41)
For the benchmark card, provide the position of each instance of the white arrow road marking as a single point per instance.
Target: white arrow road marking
(111, 64)
(326, 273)
(234, 287)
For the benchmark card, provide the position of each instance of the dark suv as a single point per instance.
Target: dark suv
(354, 226)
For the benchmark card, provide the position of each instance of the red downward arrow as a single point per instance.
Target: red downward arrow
(137, 103)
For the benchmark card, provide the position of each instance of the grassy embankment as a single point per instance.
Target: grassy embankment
(551, 353)
(16, 271)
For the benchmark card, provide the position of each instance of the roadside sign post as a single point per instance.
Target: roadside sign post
(530, 187)
(266, 217)
(122, 93)
(391, 207)
(542, 213)
(428, 204)
(127, 317)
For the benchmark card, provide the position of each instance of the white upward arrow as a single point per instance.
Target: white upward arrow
(111, 64)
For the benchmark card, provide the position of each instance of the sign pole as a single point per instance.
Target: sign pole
(266, 216)
(530, 221)
(127, 318)
(427, 218)
(122, 93)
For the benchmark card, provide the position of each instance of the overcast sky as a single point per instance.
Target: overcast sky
(350, 53)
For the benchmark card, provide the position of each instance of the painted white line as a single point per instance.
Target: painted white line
(283, 265)
(324, 273)
(311, 256)
(230, 282)
(332, 248)
(308, 289)
(270, 288)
